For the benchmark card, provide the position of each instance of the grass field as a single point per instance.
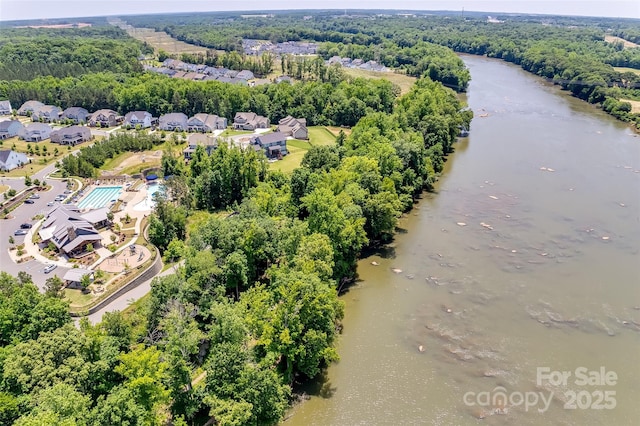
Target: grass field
(292, 160)
(624, 69)
(130, 163)
(614, 39)
(403, 81)
(77, 297)
(319, 135)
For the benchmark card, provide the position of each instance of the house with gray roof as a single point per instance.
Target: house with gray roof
(208, 142)
(35, 132)
(134, 119)
(10, 128)
(245, 75)
(294, 127)
(5, 108)
(274, 145)
(78, 115)
(249, 121)
(69, 230)
(46, 114)
(175, 121)
(72, 135)
(28, 107)
(10, 160)
(206, 123)
(104, 118)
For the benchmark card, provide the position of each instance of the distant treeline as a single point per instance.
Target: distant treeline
(571, 51)
(27, 53)
(338, 101)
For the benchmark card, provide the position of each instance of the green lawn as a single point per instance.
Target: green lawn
(292, 160)
(319, 135)
(77, 298)
(229, 132)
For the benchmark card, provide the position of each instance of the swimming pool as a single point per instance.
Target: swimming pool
(100, 197)
(148, 203)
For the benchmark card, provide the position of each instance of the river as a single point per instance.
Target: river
(524, 264)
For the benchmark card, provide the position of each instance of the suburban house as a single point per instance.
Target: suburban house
(70, 231)
(5, 108)
(73, 277)
(10, 128)
(35, 132)
(274, 144)
(76, 114)
(28, 107)
(175, 121)
(46, 114)
(294, 127)
(206, 123)
(10, 160)
(249, 121)
(196, 139)
(72, 135)
(104, 118)
(138, 118)
(245, 75)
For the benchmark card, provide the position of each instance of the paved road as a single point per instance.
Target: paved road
(126, 299)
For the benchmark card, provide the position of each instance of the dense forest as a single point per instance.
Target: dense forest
(27, 53)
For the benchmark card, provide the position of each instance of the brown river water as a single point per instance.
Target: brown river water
(511, 295)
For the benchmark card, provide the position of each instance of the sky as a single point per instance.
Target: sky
(46, 9)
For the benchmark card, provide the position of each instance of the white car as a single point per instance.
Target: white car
(50, 268)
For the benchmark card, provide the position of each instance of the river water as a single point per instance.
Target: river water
(526, 257)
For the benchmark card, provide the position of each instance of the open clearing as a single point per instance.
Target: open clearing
(319, 135)
(614, 39)
(625, 69)
(635, 105)
(401, 80)
(291, 161)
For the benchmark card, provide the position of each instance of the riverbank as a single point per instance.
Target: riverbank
(523, 257)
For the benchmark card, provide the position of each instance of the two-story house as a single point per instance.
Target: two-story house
(206, 123)
(294, 127)
(175, 121)
(10, 128)
(35, 132)
(249, 121)
(9, 160)
(72, 135)
(104, 118)
(5, 108)
(196, 139)
(135, 119)
(28, 107)
(46, 114)
(274, 145)
(78, 115)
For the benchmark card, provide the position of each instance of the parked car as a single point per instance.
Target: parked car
(68, 191)
(60, 197)
(34, 196)
(49, 268)
(50, 203)
(26, 226)
(20, 232)
(29, 201)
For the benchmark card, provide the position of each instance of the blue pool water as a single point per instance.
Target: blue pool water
(100, 197)
(148, 203)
